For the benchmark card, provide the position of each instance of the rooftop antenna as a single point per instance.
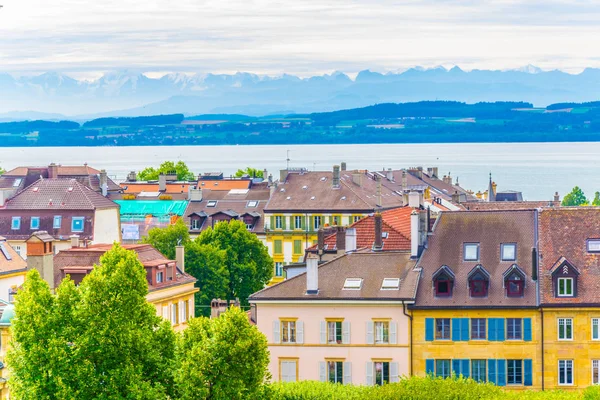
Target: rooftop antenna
(288, 160)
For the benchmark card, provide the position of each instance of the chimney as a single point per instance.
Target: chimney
(390, 175)
(340, 239)
(283, 175)
(350, 239)
(40, 255)
(428, 220)
(53, 171)
(357, 178)
(194, 194)
(343, 165)
(162, 183)
(312, 274)
(378, 243)
(336, 177)
(420, 172)
(132, 177)
(265, 174)
(320, 241)
(414, 199)
(74, 241)
(414, 234)
(270, 180)
(379, 200)
(434, 172)
(404, 181)
(556, 196)
(456, 197)
(104, 182)
(180, 257)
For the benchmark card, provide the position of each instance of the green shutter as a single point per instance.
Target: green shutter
(283, 220)
(297, 246)
(456, 329)
(527, 329)
(278, 247)
(272, 222)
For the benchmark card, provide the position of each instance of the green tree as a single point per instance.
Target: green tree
(596, 201)
(247, 262)
(251, 172)
(575, 198)
(182, 170)
(2, 171)
(221, 359)
(206, 263)
(165, 239)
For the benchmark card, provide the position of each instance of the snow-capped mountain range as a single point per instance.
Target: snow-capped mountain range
(126, 93)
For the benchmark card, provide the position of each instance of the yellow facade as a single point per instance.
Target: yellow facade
(5, 337)
(175, 304)
(424, 350)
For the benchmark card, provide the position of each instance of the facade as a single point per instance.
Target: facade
(7, 312)
(12, 270)
(476, 311)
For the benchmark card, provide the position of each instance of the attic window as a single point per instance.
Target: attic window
(443, 282)
(593, 245)
(288, 198)
(390, 284)
(17, 182)
(515, 283)
(211, 203)
(384, 235)
(343, 198)
(353, 284)
(471, 251)
(4, 251)
(479, 282)
(252, 204)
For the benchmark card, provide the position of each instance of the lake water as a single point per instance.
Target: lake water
(536, 169)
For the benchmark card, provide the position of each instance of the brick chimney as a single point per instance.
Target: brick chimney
(52, 171)
(336, 177)
(556, 196)
(40, 255)
(340, 239)
(378, 243)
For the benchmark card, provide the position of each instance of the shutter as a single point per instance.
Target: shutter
(276, 334)
(283, 221)
(394, 372)
(456, 367)
(429, 329)
(492, 329)
(299, 332)
(323, 332)
(192, 310)
(369, 373)
(322, 371)
(272, 222)
(370, 328)
(500, 329)
(430, 366)
(456, 329)
(464, 330)
(527, 329)
(345, 332)
(347, 373)
(528, 372)
(393, 333)
(501, 372)
(464, 368)
(492, 370)
(181, 308)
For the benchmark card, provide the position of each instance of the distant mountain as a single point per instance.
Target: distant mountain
(126, 93)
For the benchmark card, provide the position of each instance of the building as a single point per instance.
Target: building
(570, 299)
(166, 185)
(303, 202)
(137, 216)
(476, 311)
(7, 313)
(12, 270)
(62, 207)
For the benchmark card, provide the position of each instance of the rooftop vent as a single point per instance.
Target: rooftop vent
(35, 189)
(353, 284)
(312, 198)
(304, 187)
(282, 190)
(288, 198)
(70, 189)
(390, 284)
(323, 179)
(343, 198)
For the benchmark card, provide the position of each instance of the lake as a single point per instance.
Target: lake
(536, 169)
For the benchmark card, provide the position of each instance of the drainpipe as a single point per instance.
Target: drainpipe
(410, 365)
(542, 315)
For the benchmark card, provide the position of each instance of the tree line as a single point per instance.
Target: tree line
(577, 198)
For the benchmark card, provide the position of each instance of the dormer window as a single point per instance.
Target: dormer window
(514, 282)
(479, 282)
(443, 282)
(565, 287)
(564, 278)
(471, 252)
(160, 277)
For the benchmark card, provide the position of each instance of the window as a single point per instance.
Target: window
(159, 276)
(593, 245)
(382, 332)
(565, 287)
(442, 328)
(11, 294)
(278, 269)
(252, 204)
(514, 284)
(35, 223)
(443, 282)
(382, 372)
(442, 368)
(390, 284)
(595, 333)
(336, 220)
(277, 247)
(478, 328)
(352, 283)
(288, 331)
(334, 332)
(18, 250)
(211, 203)
(565, 329)
(249, 226)
(174, 314)
(478, 370)
(288, 370)
(335, 371)
(508, 251)
(478, 284)
(471, 252)
(77, 224)
(297, 246)
(185, 311)
(57, 222)
(356, 218)
(514, 329)
(298, 222)
(565, 372)
(316, 222)
(278, 222)
(195, 224)
(514, 372)
(15, 223)
(595, 372)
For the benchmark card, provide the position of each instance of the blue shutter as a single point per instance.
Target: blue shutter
(492, 370)
(429, 367)
(528, 373)
(500, 329)
(527, 329)
(429, 329)
(491, 329)
(501, 373)
(456, 367)
(464, 330)
(456, 329)
(465, 368)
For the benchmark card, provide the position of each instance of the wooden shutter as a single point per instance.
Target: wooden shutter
(501, 371)
(322, 371)
(370, 329)
(299, 332)
(369, 373)
(345, 332)
(429, 329)
(456, 329)
(283, 221)
(323, 332)
(492, 329)
(394, 372)
(464, 329)
(527, 329)
(456, 367)
(181, 312)
(500, 329)
(464, 368)
(528, 378)
(430, 366)
(393, 333)
(276, 334)
(492, 371)
(347, 373)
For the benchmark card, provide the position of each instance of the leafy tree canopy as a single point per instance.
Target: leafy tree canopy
(165, 239)
(251, 172)
(596, 201)
(575, 198)
(2, 171)
(182, 170)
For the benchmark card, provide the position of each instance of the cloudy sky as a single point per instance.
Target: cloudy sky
(85, 38)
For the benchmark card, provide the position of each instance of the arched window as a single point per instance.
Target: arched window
(479, 282)
(443, 282)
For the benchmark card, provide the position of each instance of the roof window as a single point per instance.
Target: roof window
(323, 179)
(211, 203)
(35, 189)
(471, 251)
(593, 245)
(288, 198)
(353, 284)
(282, 190)
(252, 204)
(313, 197)
(390, 284)
(17, 182)
(304, 187)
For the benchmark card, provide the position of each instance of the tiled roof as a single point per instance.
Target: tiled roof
(58, 194)
(372, 267)
(314, 191)
(490, 229)
(171, 187)
(563, 234)
(10, 261)
(224, 184)
(509, 205)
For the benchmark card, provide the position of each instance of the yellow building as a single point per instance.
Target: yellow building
(476, 312)
(7, 312)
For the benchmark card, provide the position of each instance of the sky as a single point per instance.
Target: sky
(86, 38)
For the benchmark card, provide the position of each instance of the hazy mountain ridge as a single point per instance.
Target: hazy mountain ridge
(125, 93)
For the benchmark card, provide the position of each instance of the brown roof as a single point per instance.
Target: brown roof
(314, 191)
(58, 194)
(372, 267)
(509, 205)
(224, 184)
(490, 229)
(10, 261)
(563, 236)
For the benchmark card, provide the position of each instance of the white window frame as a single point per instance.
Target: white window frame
(297, 222)
(278, 269)
(504, 246)
(380, 327)
(38, 219)
(353, 284)
(315, 219)
(252, 204)
(278, 222)
(595, 365)
(593, 245)
(82, 219)
(291, 327)
(560, 377)
(17, 248)
(160, 274)
(390, 284)
(558, 280)
(328, 377)
(211, 203)
(195, 224)
(55, 219)
(477, 247)
(15, 223)
(382, 375)
(564, 327)
(596, 322)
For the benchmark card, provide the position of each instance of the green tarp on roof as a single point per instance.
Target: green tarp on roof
(156, 208)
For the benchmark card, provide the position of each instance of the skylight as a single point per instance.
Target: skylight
(323, 179)
(304, 187)
(211, 203)
(390, 284)
(353, 284)
(252, 204)
(593, 245)
(5, 252)
(282, 190)
(384, 235)
(312, 198)
(17, 182)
